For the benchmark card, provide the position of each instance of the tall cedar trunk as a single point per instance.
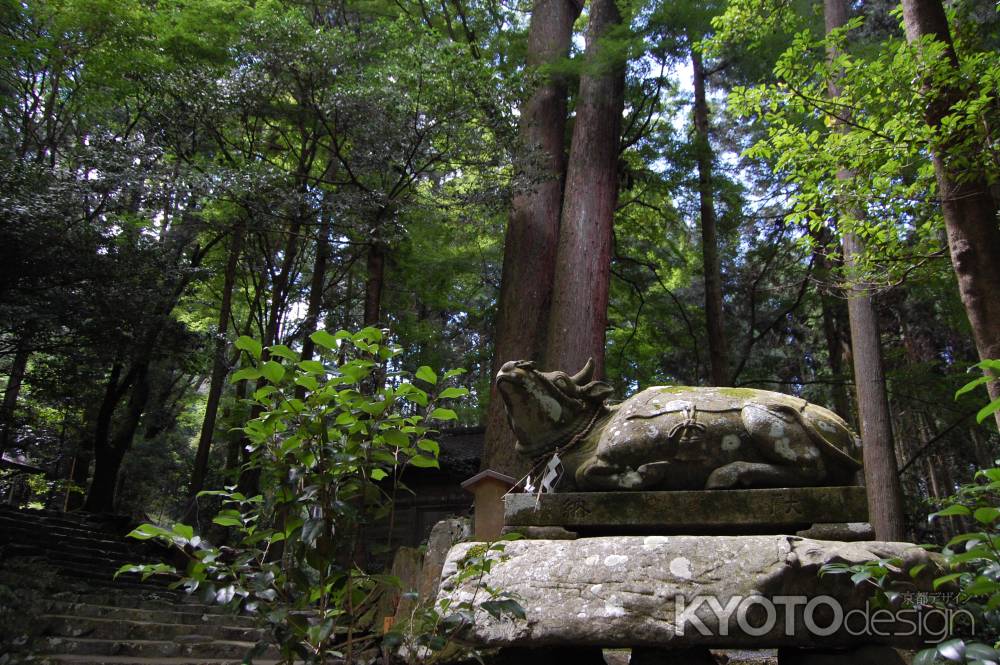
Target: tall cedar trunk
(249, 482)
(316, 287)
(969, 210)
(374, 283)
(717, 350)
(220, 368)
(885, 493)
(583, 261)
(533, 227)
(10, 394)
(834, 313)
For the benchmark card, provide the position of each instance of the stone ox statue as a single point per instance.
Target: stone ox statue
(674, 437)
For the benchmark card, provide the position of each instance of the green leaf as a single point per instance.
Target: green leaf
(449, 393)
(955, 509)
(273, 371)
(430, 446)
(988, 410)
(312, 366)
(245, 374)
(263, 392)
(395, 438)
(424, 462)
(453, 372)
(227, 520)
(425, 373)
(443, 414)
(147, 531)
(250, 345)
(282, 351)
(308, 382)
(183, 530)
(378, 474)
(945, 579)
(324, 339)
(971, 385)
(986, 515)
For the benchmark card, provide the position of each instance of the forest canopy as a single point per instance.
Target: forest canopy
(754, 193)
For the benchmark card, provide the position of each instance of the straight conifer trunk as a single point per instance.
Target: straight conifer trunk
(220, 368)
(533, 226)
(717, 351)
(13, 389)
(583, 261)
(969, 210)
(885, 493)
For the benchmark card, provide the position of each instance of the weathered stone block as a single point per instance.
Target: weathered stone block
(707, 511)
(683, 591)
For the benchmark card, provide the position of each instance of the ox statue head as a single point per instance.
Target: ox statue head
(546, 409)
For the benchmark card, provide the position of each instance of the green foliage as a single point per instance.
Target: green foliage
(992, 370)
(329, 445)
(862, 158)
(972, 577)
(425, 633)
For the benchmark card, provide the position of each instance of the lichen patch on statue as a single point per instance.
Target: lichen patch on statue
(674, 437)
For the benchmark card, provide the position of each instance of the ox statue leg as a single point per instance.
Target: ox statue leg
(599, 474)
(791, 458)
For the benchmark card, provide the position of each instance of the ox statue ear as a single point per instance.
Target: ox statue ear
(596, 391)
(585, 374)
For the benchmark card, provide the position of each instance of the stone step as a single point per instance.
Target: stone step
(74, 519)
(156, 612)
(152, 648)
(78, 555)
(135, 660)
(104, 577)
(13, 531)
(117, 627)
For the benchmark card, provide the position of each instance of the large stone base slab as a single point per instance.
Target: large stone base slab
(764, 511)
(679, 592)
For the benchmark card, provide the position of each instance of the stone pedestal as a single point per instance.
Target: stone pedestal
(843, 510)
(685, 592)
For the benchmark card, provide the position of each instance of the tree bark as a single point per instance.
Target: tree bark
(109, 456)
(374, 283)
(220, 368)
(885, 493)
(969, 210)
(533, 226)
(11, 392)
(583, 260)
(316, 287)
(834, 313)
(714, 318)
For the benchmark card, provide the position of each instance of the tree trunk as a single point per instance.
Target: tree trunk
(14, 379)
(834, 313)
(316, 287)
(374, 283)
(533, 227)
(249, 482)
(885, 493)
(109, 456)
(220, 368)
(969, 210)
(717, 350)
(583, 260)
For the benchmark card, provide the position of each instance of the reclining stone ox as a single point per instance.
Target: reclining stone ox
(674, 437)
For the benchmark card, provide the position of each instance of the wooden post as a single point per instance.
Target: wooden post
(488, 487)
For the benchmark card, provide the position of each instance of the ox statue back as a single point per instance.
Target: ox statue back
(674, 437)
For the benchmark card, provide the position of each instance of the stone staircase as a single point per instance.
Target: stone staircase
(60, 603)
